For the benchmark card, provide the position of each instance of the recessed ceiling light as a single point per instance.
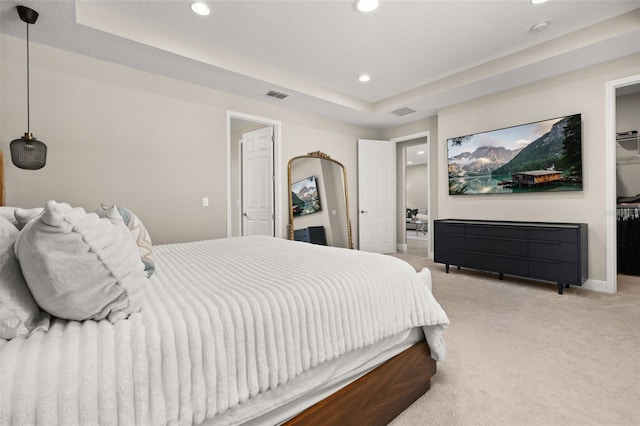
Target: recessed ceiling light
(420, 152)
(409, 162)
(364, 78)
(538, 1)
(200, 8)
(367, 5)
(540, 27)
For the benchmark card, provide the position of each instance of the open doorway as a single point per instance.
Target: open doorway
(613, 89)
(413, 195)
(417, 199)
(254, 197)
(628, 184)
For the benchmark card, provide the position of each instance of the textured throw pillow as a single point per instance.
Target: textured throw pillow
(139, 232)
(79, 266)
(19, 313)
(25, 215)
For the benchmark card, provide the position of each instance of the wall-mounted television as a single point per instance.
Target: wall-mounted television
(305, 197)
(541, 156)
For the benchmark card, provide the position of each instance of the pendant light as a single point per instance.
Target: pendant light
(28, 152)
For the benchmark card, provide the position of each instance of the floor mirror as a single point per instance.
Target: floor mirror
(318, 201)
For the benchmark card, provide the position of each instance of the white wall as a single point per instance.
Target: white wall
(577, 92)
(627, 153)
(147, 142)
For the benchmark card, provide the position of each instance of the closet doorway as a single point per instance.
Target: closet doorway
(628, 184)
(623, 87)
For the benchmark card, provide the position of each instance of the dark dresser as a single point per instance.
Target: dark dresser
(311, 234)
(545, 251)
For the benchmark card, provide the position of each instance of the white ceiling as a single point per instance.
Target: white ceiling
(424, 55)
(417, 154)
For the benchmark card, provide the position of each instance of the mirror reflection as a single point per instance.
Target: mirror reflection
(318, 201)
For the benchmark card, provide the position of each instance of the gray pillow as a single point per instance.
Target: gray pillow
(79, 266)
(19, 313)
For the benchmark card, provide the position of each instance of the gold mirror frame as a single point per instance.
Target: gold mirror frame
(322, 156)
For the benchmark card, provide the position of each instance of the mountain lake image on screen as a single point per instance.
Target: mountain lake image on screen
(305, 197)
(541, 156)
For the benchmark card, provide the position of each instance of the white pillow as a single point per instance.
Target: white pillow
(25, 215)
(79, 266)
(138, 231)
(19, 313)
(9, 214)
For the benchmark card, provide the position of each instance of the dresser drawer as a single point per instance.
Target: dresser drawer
(497, 231)
(302, 235)
(496, 245)
(449, 228)
(554, 234)
(553, 250)
(449, 241)
(490, 262)
(557, 271)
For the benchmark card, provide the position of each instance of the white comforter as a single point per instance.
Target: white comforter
(222, 321)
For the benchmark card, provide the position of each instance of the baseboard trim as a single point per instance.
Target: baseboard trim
(401, 247)
(598, 285)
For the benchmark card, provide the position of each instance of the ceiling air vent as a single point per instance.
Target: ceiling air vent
(403, 111)
(276, 94)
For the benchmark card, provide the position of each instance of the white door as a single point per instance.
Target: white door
(377, 196)
(257, 183)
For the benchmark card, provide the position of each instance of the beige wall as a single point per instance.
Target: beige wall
(158, 145)
(417, 191)
(627, 152)
(577, 92)
(150, 143)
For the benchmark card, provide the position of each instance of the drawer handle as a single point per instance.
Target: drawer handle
(546, 261)
(556, 243)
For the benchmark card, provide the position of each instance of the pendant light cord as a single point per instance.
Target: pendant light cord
(28, 106)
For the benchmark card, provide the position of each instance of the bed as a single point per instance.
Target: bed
(251, 330)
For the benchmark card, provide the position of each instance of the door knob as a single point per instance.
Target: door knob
(363, 211)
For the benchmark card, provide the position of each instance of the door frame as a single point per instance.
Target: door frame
(277, 169)
(427, 134)
(610, 178)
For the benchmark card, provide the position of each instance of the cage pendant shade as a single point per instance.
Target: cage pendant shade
(28, 152)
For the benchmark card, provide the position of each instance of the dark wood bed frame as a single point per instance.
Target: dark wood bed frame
(377, 397)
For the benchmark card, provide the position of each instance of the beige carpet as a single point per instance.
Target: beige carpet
(518, 353)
